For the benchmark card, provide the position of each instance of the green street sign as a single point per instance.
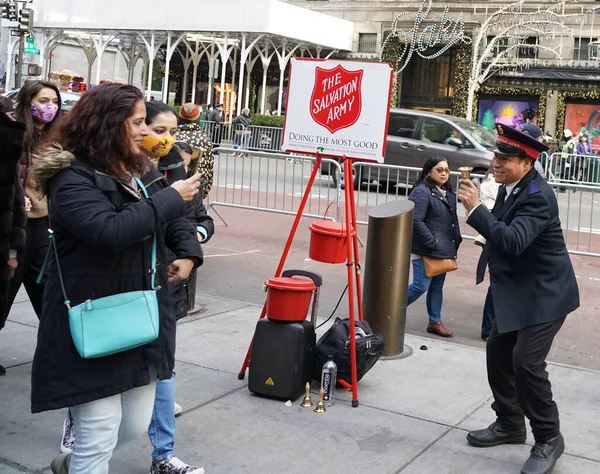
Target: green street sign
(30, 47)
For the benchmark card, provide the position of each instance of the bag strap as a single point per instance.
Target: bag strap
(153, 261)
(52, 247)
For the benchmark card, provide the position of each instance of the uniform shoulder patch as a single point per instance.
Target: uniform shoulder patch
(533, 189)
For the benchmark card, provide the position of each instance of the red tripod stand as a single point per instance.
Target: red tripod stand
(352, 265)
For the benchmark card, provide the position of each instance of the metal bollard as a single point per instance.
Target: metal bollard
(191, 300)
(387, 270)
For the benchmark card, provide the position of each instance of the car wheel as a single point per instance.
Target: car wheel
(338, 177)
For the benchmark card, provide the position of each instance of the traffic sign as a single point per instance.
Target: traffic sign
(30, 47)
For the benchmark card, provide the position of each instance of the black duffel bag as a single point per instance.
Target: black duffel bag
(336, 342)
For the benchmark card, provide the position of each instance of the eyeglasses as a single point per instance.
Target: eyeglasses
(443, 170)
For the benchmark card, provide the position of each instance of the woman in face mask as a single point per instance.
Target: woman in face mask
(158, 146)
(38, 105)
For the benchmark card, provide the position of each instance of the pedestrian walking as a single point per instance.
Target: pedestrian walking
(533, 289)
(584, 150)
(241, 125)
(216, 119)
(158, 145)
(38, 106)
(195, 135)
(488, 192)
(436, 235)
(96, 178)
(13, 217)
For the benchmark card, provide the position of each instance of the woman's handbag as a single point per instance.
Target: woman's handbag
(116, 323)
(438, 266)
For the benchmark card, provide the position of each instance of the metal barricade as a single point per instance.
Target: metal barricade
(273, 182)
(577, 203)
(574, 169)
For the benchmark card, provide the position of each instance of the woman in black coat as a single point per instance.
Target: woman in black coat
(13, 219)
(436, 233)
(103, 227)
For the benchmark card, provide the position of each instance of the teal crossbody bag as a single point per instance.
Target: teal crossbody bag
(112, 324)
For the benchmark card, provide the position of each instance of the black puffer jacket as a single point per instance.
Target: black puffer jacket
(172, 168)
(13, 218)
(103, 230)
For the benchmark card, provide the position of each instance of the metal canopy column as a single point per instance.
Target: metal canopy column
(100, 44)
(250, 62)
(224, 51)
(187, 61)
(152, 49)
(243, 58)
(265, 58)
(171, 47)
(283, 59)
(12, 42)
(90, 54)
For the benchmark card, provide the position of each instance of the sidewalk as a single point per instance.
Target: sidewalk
(413, 416)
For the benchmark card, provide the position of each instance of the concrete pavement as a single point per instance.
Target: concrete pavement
(413, 416)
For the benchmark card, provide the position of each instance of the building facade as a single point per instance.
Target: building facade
(551, 63)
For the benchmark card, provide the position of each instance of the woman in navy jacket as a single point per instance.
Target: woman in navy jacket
(103, 227)
(436, 233)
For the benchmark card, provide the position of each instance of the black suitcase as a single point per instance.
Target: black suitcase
(282, 358)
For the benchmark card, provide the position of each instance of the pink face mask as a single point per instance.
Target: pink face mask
(44, 113)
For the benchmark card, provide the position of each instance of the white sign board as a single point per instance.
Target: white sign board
(338, 108)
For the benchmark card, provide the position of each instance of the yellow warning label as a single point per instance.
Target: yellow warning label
(269, 381)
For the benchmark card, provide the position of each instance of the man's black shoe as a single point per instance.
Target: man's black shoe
(2, 370)
(495, 435)
(544, 455)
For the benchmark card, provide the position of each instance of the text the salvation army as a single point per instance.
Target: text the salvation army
(338, 98)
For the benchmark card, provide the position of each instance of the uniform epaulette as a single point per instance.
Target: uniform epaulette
(533, 189)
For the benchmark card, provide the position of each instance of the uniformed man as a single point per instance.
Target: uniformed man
(533, 289)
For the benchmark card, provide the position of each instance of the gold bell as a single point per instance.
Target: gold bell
(465, 172)
(320, 408)
(307, 402)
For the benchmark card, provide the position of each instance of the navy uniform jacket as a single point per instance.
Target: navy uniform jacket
(531, 275)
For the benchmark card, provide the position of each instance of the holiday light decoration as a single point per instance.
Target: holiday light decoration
(561, 106)
(509, 27)
(400, 45)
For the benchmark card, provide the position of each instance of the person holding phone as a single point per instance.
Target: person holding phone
(92, 170)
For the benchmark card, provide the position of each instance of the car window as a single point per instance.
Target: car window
(437, 131)
(402, 126)
(478, 133)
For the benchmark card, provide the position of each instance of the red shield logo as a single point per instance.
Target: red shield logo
(336, 100)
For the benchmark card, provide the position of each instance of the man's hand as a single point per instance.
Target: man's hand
(180, 269)
(12, 267)
(27, 204)
(468, 194)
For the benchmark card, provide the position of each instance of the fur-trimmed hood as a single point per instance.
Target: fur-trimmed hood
(48, 163)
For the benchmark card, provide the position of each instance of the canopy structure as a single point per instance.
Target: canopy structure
(229, 33)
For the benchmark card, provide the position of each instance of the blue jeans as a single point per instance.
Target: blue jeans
(489, 314)
(434, 288)
(162, 427)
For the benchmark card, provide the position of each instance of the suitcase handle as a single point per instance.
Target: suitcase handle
(317, 280)
(315, 277)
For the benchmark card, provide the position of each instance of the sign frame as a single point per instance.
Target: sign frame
(320, 148)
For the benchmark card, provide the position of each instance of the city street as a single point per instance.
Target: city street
(243, 255)
(270, 181)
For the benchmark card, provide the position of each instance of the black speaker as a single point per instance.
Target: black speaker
(282, 358)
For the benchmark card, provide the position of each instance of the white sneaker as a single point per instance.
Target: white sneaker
(172, 465)
(68, 436)
(178, 409)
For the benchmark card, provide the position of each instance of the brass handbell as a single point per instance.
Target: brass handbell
(307, 402)
(465, 172)
(320, 408)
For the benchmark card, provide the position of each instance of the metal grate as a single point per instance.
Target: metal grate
(367, 42)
